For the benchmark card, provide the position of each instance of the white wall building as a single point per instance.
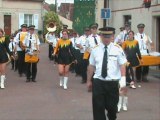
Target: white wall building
(132, 11)
(13, 13)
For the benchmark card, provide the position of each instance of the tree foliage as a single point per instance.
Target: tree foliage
(52, 7)
(52, 17)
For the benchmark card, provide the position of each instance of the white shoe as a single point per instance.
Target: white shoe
(132, 86)
(125, 108)
(119, 108)
(119, 103)
(125, 103)
(61, 81)
(2, 81)
(65, 83)
(65, 87)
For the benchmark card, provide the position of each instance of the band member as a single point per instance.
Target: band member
(21, 49)
(131, 49)
(65, 54)
(84, 61)
(145, 44)
(92, 41)
(50, 38)
(64, 28)
(12, 48)
(107, 61)
(31, 43)
(75, 42)
(3, 58)
(123, 35)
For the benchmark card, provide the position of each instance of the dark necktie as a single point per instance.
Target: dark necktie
(95, 40)
(30, 36)
(125, 36)
(104, 64)
(141, 37)
(30, 44)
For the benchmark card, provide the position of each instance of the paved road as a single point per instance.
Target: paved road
(45, 100)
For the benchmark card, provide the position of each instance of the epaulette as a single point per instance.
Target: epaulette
(115, 44)
(2, 39)
(95, 46)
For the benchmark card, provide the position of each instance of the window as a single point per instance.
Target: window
(127, 19)
(28, 19)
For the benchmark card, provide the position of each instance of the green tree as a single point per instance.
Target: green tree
(52, 17)
(52, 7)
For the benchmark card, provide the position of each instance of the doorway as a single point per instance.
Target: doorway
(7, 24)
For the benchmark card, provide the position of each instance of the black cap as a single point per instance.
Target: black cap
(141, 25)
(24, 25)
(121, 28)
(31, 27)
(87, 29)
(74, 32)
(107, 30)
(127, 25)
(94, 25)
(65, 26)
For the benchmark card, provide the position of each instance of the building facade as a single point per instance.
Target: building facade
(133, 12)
(13, 13)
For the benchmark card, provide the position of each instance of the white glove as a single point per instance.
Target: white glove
(122, 82)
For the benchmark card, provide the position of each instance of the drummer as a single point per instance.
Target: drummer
(145, 46)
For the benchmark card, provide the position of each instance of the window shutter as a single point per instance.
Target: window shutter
(36, 21)
(21, 19)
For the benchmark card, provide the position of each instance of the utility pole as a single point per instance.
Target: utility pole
(106, 21)
(105, 5)
(55, 6)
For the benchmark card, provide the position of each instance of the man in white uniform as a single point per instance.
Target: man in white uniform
(107, 62)
(144, 42)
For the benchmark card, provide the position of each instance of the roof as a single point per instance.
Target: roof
(26, 0)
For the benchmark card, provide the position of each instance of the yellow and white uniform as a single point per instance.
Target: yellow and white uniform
(144, 43)
(91, 43)
(20, 38)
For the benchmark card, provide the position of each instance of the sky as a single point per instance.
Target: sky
(59, 1)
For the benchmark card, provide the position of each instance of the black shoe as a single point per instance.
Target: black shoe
(28, 80)
(144, 79)
(83, 81)
(138, 81)
(33, 80)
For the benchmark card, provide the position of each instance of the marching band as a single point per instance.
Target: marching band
(78, 52)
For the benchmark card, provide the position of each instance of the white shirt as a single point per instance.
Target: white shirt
(75, 41)
(33, 40)
(83, 40)
(116, 58)
(12, 45)
(144, 42)
(90, 43)
(123, 35)
(51, 39)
